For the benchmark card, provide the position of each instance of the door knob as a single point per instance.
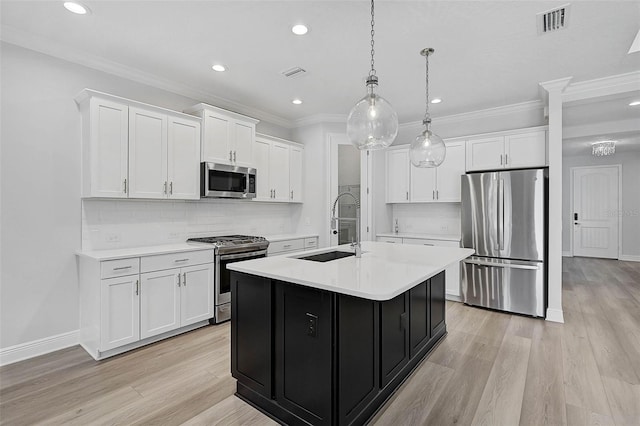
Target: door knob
(335, 232)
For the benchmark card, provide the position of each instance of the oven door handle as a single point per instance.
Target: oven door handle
(245, 255)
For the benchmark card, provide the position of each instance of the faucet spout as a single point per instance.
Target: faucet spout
(334, 221)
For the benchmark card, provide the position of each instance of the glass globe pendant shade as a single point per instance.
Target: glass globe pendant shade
(372, 123)
(427, 150)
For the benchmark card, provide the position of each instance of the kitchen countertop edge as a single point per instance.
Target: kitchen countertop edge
(123, 253)
(420, 236)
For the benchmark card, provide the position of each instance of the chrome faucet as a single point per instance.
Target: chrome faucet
(334, 221)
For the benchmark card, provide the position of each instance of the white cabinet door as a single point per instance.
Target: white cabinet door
(183, 160)
(119, 312)
(147, 154)
(449, 172)
(196, 298)
(423, 183)
(215, 138)
(108, 150)
(485, 153)
(295, 174)
(244, 135)
(398, 176)
(279, 171)
(526, 149)
(159, 302)
(261, 163)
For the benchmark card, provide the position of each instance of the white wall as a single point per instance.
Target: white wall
(40, 191)
(630, 215)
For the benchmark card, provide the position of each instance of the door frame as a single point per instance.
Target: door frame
(366, 205)
(571, 170)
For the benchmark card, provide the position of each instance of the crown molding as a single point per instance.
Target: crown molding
(319, 119)
(605, 86)
(528, 106)
(48, 47)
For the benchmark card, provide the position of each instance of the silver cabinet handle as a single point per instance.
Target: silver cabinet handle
(234, 156)
(165, 187)
(274, 193)
(433, 194)
(122, 268)
(286, 245)
(171, 188)
(437, 194)
(427, 244)
(292, 194)
(501, 159)
(407, 195)
(124, 189)
(178, 279)
(181, 260)
(184, 279)
(137, 287)
(506, 159)
(230, 155)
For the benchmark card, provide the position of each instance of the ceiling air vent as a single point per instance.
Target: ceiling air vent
(294, 72)
(553, 20)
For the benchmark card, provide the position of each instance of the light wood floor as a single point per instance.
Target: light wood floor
(492, 368)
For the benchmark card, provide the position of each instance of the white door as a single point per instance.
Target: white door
(279, 171)
(398, 176)
(423, 183)
(295, 174)
(196, 298)
(244, 136)
(147, 154)
(526, 149)
(215, 138)
(349, 170)
(449, 172)
(159, 302)
(261, 163)
(595, 211)
(485, 153)
(183, 159)
(109, 149)
(119, 312)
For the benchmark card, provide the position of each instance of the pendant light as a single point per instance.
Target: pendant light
(428, 149)
(372, 123)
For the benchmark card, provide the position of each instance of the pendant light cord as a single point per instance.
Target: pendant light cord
(427, 118)
(373, 70)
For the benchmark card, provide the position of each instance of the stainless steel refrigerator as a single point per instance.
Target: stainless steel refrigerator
(504, 218)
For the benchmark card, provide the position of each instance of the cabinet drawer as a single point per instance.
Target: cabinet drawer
(310, 243)
(390, 240)
(175, 260)
(429, 242)
(285, 246)
(119, 267)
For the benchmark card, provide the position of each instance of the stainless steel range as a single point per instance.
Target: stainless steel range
(229, 249)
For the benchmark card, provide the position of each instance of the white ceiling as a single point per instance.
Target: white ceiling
(488, 53)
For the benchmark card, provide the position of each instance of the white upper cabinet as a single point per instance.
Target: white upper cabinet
(183, 171)
(227, 137)
(409, 184)
(295, 174)
(147, 154)
(508, 150)
(105, 134)
(398, 175)
(135, 150)
(279, 169)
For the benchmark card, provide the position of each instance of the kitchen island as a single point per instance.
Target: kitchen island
(322, 342)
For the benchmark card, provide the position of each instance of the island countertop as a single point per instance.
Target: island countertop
(383, 272)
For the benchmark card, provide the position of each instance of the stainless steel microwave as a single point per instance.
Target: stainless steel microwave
(225, 181)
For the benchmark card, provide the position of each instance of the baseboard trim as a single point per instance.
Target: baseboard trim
(453, 297)
(630, 258)
(555, 315)
(38, 347)
(567, 254)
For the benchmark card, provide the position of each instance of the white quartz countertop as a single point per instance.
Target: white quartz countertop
(422, 236)
(101, 255)
(284, 237)
(383, 272)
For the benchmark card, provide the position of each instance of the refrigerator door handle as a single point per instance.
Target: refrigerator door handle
(501, 265)
(501, 214)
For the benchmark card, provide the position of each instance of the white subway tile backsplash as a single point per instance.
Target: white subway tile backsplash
(109, 224)
(427, 218)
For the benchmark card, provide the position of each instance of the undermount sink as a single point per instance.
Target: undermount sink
(328, 256)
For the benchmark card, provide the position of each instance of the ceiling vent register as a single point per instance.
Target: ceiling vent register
(553, 20)
(294, 72)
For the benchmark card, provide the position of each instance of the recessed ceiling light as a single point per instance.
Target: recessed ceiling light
(436, 100)
(296, 101)
(634, 103)
(299, 29)
(74, 7)
(219, 68)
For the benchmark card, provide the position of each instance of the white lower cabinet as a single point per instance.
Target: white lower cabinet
(129, 302)
(452, 273)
